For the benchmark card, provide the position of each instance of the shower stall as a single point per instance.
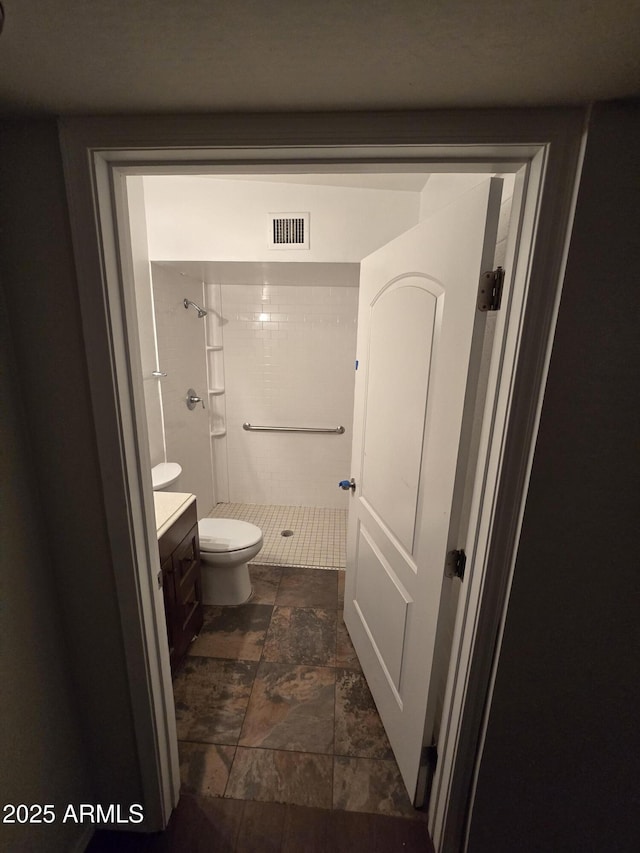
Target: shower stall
(279, 355)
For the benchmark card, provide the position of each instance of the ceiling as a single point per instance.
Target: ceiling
(133, 56)
(413, 182)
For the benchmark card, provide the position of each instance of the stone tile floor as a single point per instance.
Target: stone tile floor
(281, 747)
(272, 706)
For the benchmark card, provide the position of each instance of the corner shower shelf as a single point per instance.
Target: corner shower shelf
(216, 391)
(218, 433)
(214, 349)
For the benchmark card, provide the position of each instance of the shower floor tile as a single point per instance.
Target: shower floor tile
(318, 540)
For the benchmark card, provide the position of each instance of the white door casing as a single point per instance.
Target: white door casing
(416, 320)
(99, 152)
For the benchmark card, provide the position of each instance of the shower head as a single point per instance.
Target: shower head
(201, 311)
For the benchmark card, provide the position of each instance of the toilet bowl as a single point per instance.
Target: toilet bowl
(226, 546)
(164, 475)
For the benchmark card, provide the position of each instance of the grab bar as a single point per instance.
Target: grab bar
(339, 430)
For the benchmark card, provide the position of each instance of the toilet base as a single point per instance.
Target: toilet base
(226, 585)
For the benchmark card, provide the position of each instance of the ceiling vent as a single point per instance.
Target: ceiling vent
(288, 230)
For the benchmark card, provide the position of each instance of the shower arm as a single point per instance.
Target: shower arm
(202, 312)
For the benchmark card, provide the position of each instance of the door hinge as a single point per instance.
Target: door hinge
(160, 579)
(455, 564)
(490, 290)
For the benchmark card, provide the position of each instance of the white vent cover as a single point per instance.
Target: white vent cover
(288, 230)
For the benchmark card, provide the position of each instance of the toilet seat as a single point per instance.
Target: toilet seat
(222, 535)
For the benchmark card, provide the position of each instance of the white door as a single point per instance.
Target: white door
(416, 320)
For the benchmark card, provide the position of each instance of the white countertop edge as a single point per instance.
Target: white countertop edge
(168, 507)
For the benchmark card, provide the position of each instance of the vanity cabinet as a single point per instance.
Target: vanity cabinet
(181, 582)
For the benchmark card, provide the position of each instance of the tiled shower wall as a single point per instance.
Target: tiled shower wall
(289, 356)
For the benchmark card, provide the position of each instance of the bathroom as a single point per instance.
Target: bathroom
(276, 348)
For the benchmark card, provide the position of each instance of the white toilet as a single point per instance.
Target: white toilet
(226, 546)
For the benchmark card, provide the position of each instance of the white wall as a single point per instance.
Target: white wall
(198, 218)
(181, 354)
(144, 311)
(443, 188)
(289, 361)
(504, 223)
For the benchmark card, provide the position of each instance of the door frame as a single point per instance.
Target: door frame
(98, 155)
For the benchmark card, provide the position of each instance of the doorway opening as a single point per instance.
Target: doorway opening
(280, 337)
(99, 159)
(278, 344)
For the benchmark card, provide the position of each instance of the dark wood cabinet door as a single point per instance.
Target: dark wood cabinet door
(181, 583)
(188, 591)
(169, 595)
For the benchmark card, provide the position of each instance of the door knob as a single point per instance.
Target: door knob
(348, 484)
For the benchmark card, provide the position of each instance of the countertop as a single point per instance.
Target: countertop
(169, 506)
